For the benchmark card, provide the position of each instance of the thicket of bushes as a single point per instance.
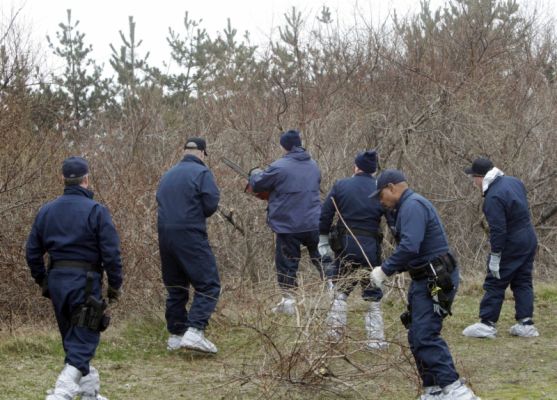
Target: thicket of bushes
(430, 92)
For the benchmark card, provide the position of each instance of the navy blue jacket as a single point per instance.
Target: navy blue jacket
(75, 227)
(187, 195)
(293, 182)
(352, 199)
(508, 215)
(422, 236)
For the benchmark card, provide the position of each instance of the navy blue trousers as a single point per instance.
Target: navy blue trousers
(288, 253)
(351, 261)
(433, 357)
(516, 272)
(67, 291)
(187, 259)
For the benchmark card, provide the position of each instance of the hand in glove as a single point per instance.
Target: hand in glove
(113, 294)
(378, 276)
(494, 261)
(44, 287)
(324, 247)
(255, 171)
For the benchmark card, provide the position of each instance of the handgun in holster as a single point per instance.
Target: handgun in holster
(91, 314)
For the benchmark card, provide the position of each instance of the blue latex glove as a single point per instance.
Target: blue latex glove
(494, 261)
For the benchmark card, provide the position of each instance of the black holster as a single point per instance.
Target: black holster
(406, 317)
(91, 314)
(335, 239)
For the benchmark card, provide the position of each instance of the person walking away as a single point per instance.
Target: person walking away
(79, 237)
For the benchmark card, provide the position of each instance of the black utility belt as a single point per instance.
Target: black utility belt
(431, 269)
(362, 232)
(86, 266)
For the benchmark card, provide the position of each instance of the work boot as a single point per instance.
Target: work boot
(67, 384)
(287, 305)
(336, 318)
(524, 328)
(374, 327)
(90, 386)
(431, 393)
(458, 391)
(174, 342)
(480, 330)
(194, 339)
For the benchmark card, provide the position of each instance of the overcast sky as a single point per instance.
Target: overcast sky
(101, 20)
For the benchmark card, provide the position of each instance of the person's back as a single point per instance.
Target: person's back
(506, 208)
(186, 195)
(293, 181)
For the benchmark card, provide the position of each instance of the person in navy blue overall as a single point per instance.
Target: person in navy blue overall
(513, 245)
(363, 217)
(78, 234)
(187, 195)
(292, 213)
(423, 251)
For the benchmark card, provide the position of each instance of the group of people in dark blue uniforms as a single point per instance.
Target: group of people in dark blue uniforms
(82, 244)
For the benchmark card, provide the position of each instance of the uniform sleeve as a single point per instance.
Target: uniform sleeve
(265, 181)
(34, 252)
(494, 211)
(209, 193)
(327, 213)
(413, 222)
(109, 246)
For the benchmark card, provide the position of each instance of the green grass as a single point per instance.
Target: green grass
(263, 356)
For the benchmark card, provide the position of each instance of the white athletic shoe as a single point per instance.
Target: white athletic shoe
(431, 393)
(480, 330)
(524, 330)
(458, 391)
(194, 339)
(174, 342)
(285, 306)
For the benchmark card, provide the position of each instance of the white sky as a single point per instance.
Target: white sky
(101, 20)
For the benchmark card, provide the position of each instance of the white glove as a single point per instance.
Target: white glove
(324, 247)
(255, 171)
(378, 276)
(494, 260)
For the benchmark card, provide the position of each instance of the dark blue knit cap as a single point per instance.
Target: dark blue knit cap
(75, 167)
(290, 139)
(367, 161)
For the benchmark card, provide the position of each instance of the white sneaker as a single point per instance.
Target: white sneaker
(431, 393)
(480, 330)
(194, 339)
(174, 342)
(285, 306)
(524, 330)
(458, 391)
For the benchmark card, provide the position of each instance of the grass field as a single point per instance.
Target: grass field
(263, 356)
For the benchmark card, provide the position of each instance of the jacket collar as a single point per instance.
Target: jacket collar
(192, 158)
(78, 190)
(407, 193)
